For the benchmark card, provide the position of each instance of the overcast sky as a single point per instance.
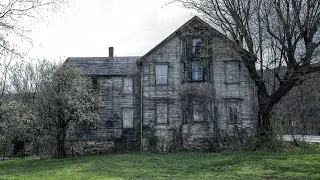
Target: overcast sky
(89, 27)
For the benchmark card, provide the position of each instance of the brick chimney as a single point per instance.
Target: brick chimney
(110, 51)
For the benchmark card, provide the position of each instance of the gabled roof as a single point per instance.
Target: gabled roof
(105, 66)
(176, 32)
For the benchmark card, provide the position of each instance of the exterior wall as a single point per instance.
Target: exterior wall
(242, 91)
(113, 101)
(154, 93)
(194, 134)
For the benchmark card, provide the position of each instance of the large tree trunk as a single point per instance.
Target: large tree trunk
(60, 138)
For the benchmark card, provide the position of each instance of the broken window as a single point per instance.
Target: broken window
(161, 74)
(162, 113)
(234, 111)
(127, 86)
(127, 118)
(232, 72)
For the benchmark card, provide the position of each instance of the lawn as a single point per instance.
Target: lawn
(228, 165)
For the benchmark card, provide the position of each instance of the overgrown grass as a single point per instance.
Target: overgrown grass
(299, 164)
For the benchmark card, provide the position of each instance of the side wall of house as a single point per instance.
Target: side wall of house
(243, 91)
(113, 102)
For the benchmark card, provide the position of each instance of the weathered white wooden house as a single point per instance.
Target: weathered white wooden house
(184, 93)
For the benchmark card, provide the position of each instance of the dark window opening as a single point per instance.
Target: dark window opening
(94, 82)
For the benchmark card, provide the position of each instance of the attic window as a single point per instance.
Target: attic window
(196, 46)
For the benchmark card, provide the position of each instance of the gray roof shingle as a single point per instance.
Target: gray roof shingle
(106, 66)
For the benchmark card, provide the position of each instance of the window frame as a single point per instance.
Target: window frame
(227, 73)
(123, 118)
(166, 121)
(238, 113)
(198, 107)
(124, 86)
(200, 66)
(210, 71)
(94, 80)
(166, 74)
(196, 47)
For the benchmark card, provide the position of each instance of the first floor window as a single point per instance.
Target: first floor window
(127, 86)
(197, 112)
(161, 74)
(162, 115)
(234, 111)
(127, 116)
(94, 83)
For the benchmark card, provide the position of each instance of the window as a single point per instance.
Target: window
(197, 112)
(127, 116)
(232, 72)
(197, 71)
(127, 86)
(94, 82)
(162, 110)
(234, 111)
(161, 74)
(196, 46)
(210, 71)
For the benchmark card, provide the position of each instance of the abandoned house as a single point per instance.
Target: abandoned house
(184, 93)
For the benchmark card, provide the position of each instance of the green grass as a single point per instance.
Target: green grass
(229, 165)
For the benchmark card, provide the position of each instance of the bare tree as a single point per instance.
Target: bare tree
(16, 16)
(268, 35)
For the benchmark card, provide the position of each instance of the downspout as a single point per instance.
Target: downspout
(141, 106)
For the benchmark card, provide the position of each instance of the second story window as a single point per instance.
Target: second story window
(161, 73)
(127, 86)
(196, 46)
(197, 71)
(232, 72)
